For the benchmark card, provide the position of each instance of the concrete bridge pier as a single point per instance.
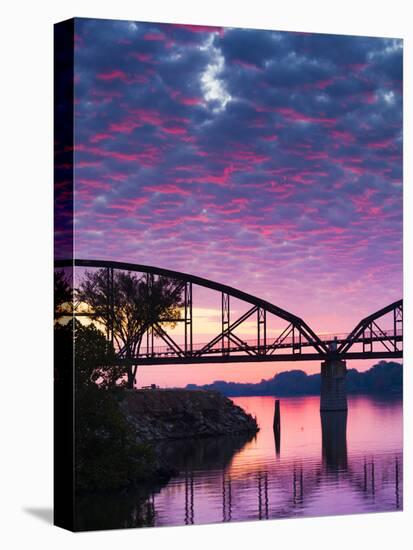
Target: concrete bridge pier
(333, 385)
(334, 439)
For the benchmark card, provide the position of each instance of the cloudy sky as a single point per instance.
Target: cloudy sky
(267, 160)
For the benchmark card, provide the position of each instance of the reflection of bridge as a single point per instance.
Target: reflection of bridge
(280, 335)
(277, 487)
(287, 488)
(303, 483)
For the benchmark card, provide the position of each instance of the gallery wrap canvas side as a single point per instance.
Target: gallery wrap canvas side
(64, 429)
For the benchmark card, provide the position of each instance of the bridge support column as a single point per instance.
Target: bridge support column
(334, 439)
(333, 385)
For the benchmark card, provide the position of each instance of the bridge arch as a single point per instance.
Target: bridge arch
(301, 342)
(368, 330)
(297, 329)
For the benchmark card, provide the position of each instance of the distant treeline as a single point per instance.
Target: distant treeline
(385, 377)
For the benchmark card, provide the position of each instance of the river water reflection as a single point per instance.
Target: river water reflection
(328, 465)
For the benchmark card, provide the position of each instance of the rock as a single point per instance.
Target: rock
(160, 414)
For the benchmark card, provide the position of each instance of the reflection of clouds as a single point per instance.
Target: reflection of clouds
(255, 484)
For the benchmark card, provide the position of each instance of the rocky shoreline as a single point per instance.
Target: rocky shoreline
(136, 440)
(162, 414)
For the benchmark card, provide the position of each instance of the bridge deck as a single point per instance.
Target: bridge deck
(255, 348)
(297, 342)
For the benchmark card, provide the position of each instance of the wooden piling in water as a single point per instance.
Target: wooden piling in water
(277, 427)
(277, 420)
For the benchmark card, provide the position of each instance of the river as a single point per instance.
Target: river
(328, 465)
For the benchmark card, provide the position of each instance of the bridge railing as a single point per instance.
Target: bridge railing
(161, 342)
(255, 345)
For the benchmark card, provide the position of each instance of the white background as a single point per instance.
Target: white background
(26, 268)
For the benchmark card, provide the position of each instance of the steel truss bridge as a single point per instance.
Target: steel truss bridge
(377, 336)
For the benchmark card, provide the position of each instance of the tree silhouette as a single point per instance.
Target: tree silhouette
(93, 356)
(63, 294)
(135, 304)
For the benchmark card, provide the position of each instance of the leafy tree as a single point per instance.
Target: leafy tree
(63, 293)
(385, 377)
(138, 303)
(106, 454)
(93, 356)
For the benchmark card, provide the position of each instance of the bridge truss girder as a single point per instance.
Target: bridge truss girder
(285, 358)
(227, 345)
(370, 333)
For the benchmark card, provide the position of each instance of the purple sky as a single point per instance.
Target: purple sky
(270, 161)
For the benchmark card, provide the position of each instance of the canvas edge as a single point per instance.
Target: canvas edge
(63, 402)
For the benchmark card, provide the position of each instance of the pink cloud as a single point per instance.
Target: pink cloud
(120, 75)
(168, 189)
(129, 157)
(352, 164)
(246, 65)
(284, 190)
(116, 176)
(222, 180)
(147, 155)
(191, 101)
(343, 136)
(265, 108)
(105, 93)
(151, 116)
(148, 116)
(318, 155)
(87, 163)
(359, 170)
(370, 97)
(174, 130)
(292, 114)
(320, 84)
(124, 127)
(223, 209)
(129, 205)
(153, 36)
(383, 144)
(200, 28)
(357, 67)
(184, 100)
(246, 155)
(99, 137)
(143, 57)
(241, 201)
(113, 75)
(93, 183)
(365, 206)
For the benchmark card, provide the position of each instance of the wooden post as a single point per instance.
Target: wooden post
(277, 426)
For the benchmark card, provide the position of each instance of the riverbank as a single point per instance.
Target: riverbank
(384, 378)
(124, 438)
(226, 478)
(168, 420)
(162, 414)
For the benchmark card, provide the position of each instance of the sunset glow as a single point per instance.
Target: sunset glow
(268, 161)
